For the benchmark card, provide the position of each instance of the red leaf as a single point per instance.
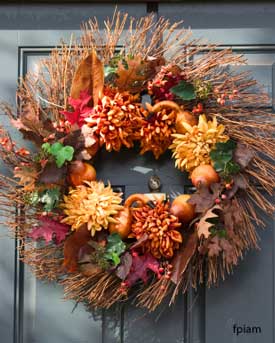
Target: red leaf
(183, 256)
(49, 229)
(141, 264)
(81, 109)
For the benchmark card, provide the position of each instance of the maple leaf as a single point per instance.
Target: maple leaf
(27, 176)
(89, 77)
(204, 198)
(81, 108)
(141, 264)
(203, 226)
(49, 229)
(132, 73)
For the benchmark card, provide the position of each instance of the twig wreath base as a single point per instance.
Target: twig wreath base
(74, 229)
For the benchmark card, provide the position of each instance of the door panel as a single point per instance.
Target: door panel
(205, 316)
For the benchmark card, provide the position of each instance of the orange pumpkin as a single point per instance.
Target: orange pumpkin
(124, 217)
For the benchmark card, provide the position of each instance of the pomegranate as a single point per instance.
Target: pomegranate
(79, 172)
(182, 209)
(204, 175)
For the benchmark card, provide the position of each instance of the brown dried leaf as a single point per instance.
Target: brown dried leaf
(214, 248)
(183, 256)
(27, 176)
(242, 155)
(239, 182)
(203, 199)
(134, 76)
(31, 125)
(89, 76)
(203, 225)
(229, 254)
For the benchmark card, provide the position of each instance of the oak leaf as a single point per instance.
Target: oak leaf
(89, 76)
(204, 198)
(203, 226)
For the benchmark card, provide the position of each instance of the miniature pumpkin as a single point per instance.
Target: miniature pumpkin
(124, 217)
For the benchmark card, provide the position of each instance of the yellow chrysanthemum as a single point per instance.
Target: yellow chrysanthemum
(192, 148)
(92, 204)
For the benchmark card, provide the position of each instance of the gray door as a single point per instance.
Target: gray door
(33, 311)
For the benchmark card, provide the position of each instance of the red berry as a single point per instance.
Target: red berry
(134, 254)
(228, 186)
(167, 277)
(123, 284)
(224, 196)
(161, 270)
(222, 102)
(217, 201)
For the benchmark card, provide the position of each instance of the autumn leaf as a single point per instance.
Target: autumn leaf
(72, 247)
(228, 251)
(81, 109)
(125, 265)
(31, 125)
(239, 182)
(27, 177)
(214, 248)
(141, 264)
(89, 76)
(203, 226)
(49, 230)
(242, 155)
(183, 256)
(204, 198)
(52, 174)
(132, 74)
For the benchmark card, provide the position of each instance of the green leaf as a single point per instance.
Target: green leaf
(60, 152)
(34, 198)
(63, 155)
(222, 157)
(114, 248)
(55, 148)
(109, 71)
(46, 147)
(184, 90)
(50, 199)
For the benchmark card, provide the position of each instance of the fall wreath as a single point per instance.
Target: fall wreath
(89, 95)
